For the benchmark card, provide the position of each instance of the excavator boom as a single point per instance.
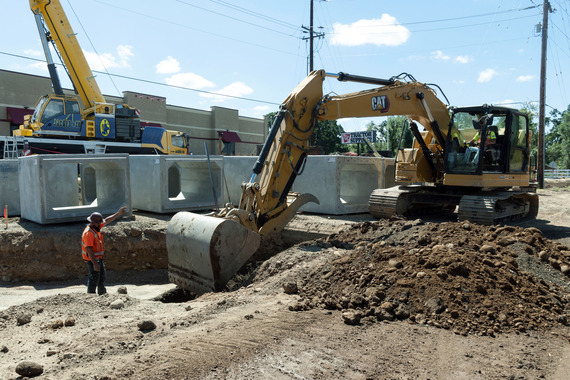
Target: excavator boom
(205, 251)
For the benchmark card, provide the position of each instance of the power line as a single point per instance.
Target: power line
(233, 18)
(93, 46)
(462, 17)
(153, 82)
(192, 28)
(255, 14)
(444, 28)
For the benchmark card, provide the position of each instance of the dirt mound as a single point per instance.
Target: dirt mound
(468, 278)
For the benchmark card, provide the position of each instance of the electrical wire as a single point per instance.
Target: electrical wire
(152, 82)
(93, 46)
(233, 18)
(170, 22)
(446, 28)
(255, 14)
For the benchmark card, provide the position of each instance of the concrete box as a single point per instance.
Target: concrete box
(52, 186)
(237, 169)
(9, 187)
(168, 184)
(343, 184)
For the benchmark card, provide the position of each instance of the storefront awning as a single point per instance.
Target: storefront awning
(228, 136)
(16, 115)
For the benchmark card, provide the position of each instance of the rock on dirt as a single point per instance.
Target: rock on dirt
(29, 369)
(469, 278)
(397, 299)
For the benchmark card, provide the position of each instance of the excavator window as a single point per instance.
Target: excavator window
(466, 147)
(518, 159)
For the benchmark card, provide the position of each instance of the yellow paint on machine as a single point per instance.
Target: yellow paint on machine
(487, 180)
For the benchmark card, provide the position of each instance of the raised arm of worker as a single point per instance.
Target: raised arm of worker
(111, 218)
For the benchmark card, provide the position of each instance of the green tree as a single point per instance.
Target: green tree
(270, 117)
(389, 132)
(557, 140)
(327, 135)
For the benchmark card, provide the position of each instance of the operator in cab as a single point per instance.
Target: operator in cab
(491, 139)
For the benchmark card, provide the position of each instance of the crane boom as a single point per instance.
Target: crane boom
(62, 34)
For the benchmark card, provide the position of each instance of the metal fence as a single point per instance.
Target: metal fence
(557, 173)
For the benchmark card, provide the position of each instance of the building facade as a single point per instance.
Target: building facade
(222, 129)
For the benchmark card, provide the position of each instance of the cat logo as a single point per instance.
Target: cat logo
(380, 103)
(104, 127)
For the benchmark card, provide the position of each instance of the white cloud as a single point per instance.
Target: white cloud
(486, 75)
(261, 111)
(189, 80)
(439, 55)
(462, 59)
(384, 31)
(505, 102)
(525, 78)
(234, 89)
(125, 52)
(169, 65)
(107, 60)
(39, 66)
(35, 53)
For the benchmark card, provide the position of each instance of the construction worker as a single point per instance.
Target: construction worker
(490, 140)
(92, 250)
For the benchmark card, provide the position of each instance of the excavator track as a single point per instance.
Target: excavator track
(488, 209)
(384, 203)
(498, 207)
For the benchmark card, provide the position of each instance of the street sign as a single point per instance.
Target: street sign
(358, 137)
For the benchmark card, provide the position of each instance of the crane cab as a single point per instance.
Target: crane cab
(53, 115)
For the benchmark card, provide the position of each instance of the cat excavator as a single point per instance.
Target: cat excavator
(489, 179)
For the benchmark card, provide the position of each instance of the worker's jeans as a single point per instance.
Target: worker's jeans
(96, 280)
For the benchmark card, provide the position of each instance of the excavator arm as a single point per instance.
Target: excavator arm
(204, 252)
(415, 100)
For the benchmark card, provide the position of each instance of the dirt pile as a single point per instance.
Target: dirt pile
(34, 252)
(468, 278)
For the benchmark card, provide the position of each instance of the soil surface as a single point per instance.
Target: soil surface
(429, 298)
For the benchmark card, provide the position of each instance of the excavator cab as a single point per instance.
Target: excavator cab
(503, 149)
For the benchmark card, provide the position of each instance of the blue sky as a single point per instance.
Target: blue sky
(477, 51)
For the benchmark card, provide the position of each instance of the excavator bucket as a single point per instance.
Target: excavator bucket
(205, 252)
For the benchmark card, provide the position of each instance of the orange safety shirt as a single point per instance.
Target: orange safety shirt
(94, 239)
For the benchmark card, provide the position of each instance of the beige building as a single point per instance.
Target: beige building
(218, 127)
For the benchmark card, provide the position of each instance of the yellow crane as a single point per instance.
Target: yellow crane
(86, 115)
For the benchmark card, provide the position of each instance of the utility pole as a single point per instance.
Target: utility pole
(542, 96)
(311, 40)
(312, 36)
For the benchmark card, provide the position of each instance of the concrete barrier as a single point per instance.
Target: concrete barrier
(343, 184)
(168, 184)
(52, 186)
(9, 187)
(237, 169)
